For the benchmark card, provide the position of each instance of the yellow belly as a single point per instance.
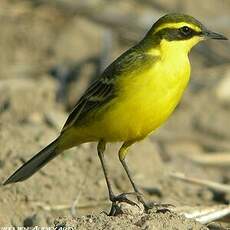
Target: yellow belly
(144, 102)
(142, 105)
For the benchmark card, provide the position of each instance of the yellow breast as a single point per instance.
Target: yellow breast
(144, 102)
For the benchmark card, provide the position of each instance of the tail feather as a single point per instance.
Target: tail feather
(34, 164)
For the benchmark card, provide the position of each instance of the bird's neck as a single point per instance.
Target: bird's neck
(172, 61)
(168, 49)
(172, 58)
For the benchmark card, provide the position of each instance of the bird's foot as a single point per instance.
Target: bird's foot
(119, 199)
(158, 207)
(122, 198)
(152, 205)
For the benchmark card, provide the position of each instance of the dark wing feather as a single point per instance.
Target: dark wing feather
(96, 95)
(103, 89)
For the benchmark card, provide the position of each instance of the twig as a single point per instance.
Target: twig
(204, 215)
(75, 203)
(203, 140)
(60, 207)
(210, 159)
(217, 187)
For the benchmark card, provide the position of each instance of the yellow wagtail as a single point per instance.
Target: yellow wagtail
(132, 97)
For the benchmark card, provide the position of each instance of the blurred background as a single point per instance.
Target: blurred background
(50, 50)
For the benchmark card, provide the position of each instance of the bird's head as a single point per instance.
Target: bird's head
(180, 32)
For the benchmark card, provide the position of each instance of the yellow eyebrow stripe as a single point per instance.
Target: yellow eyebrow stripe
(177, 25)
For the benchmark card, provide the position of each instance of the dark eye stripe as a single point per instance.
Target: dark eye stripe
(171, 34)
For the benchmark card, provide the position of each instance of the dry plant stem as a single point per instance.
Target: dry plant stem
(212, 216)
(218, 159)
(217, 187)
(204, 215)
(60, 207)
(75, 203)
(203, 140)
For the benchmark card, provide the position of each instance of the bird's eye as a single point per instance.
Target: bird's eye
(185, 30)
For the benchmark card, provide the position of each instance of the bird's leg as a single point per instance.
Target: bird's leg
(100, 150)
(120, 198)
(122, 154)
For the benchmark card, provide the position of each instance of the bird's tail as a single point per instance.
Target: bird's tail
(34, 164)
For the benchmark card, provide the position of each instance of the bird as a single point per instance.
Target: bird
(133, 97)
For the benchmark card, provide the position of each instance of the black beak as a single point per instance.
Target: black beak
(212, 35)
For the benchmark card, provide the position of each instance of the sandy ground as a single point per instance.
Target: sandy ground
(39, 45)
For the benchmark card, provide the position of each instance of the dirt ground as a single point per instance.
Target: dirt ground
(50, 51)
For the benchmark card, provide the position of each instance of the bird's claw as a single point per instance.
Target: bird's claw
(158, 206)
(147, 206)
(150, 205)
(123, 198)
(119, 199)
